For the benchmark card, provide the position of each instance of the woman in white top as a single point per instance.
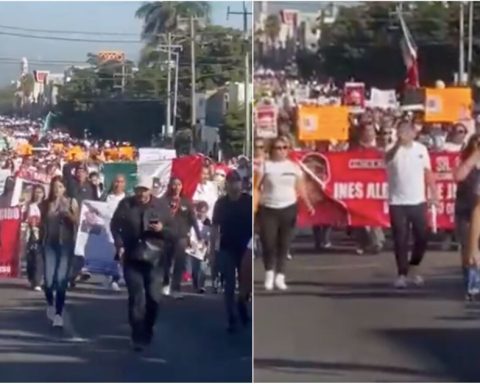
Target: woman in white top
(115, 194)
(281, 182)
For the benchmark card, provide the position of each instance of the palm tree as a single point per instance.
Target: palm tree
(272, 28)
(162, 16)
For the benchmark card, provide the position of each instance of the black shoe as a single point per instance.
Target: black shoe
(243, 313)
(137, 346)
(201, 291)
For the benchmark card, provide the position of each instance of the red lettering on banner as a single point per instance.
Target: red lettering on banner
(10, 224)
(356, 189)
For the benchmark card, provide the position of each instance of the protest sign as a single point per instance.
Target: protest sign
(354, 96)
(4, 174)
(447, 105)
(351, 189)
(23, 189)
(94, 240)
(322, 122)
(10, 224)
(266, 120)
(148, 155)
(383, 99)
(127, 169)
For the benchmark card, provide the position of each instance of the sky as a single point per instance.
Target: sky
(95, 17)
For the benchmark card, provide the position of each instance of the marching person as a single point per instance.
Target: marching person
(408, 167)
(113, 197)
(59, 219)
(467, 175)
(231, 231)
(142, 229)
(281, 182)
(184, 219)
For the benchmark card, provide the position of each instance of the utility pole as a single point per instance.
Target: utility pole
(193, 116)
(169, 87)
(461, 45)
(248, 132)
(470, 40)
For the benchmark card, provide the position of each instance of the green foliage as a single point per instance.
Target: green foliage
(232, 133)
(364, 43)
(7, 99)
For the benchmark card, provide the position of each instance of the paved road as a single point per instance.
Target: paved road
(341, 321)
(191, 342)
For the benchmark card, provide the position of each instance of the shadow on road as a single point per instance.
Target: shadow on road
(191, 344)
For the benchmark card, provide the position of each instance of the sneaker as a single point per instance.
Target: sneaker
(37, 288)
(269, 280)
(280, 282)
(166, 290)
(289, 256)
(401, 282)
(359, 251)
(115, 287)
(418, 281)
(327, 245)
(58, 321)
(50, 312)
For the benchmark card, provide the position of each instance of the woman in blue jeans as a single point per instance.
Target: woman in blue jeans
(59, 216)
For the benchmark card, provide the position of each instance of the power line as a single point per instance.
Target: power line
(71, 39)
(68, 31)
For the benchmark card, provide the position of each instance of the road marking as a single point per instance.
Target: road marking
(338, 267)
(70, 329)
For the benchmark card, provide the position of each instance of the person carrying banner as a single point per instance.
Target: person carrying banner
(281, 183)
(142, 229)
(113, 197)
(408, 168)
(59, 219)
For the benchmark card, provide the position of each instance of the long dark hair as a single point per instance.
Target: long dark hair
(55, 179)
(37, 187)
(170, 183)
(471, 146)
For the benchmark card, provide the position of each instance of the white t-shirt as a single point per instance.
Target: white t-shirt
(406, 175)
(113, 200)
(278, 184)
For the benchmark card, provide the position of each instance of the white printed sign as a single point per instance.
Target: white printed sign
(4, 174)
(148, 155)
(384, 99)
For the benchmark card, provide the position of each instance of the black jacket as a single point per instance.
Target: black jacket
(184, 219)
(130, 223)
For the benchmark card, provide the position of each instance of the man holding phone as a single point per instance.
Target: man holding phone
(142, 230)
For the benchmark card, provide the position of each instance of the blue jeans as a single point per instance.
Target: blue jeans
(57, 260)
(199, 272)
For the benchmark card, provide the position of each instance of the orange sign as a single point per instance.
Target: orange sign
(76, 154)
(447, 105)
(322, 122)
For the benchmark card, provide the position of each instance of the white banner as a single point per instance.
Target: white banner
(94, 239)
(160, 171)
(4, 174)
(384, 99)
(148, 155)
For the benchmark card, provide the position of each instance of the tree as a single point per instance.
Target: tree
(232, 133)
(364, 43)
(162, 16)
(272, 28)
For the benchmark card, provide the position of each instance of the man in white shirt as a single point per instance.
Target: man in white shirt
(408, 168)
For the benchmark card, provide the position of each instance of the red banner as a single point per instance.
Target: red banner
(351, 189)
(10, 223)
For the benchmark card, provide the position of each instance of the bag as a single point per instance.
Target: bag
(146, 252)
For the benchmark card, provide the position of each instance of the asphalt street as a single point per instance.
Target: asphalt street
(191, 343)
(341, 320)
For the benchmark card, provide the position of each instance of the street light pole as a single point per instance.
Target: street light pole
(169, 87)
(461, 45)
(193, 116)
(470, 40)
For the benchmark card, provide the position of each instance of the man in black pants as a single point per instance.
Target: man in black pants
(408, 166)
(232, 223)
(142, 229)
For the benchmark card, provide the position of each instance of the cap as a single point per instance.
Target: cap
(144, 182)
(233, 176)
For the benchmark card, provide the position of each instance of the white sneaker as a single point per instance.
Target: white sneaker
(114, 286)
(269, 280)
(418, 280)
(401, 282)
(50, 312)
(37, 289)
(58, 321)
(289, 256)
(280, 282)
(166, 290)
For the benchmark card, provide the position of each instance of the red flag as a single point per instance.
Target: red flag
(410, 55)
(188, 169)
